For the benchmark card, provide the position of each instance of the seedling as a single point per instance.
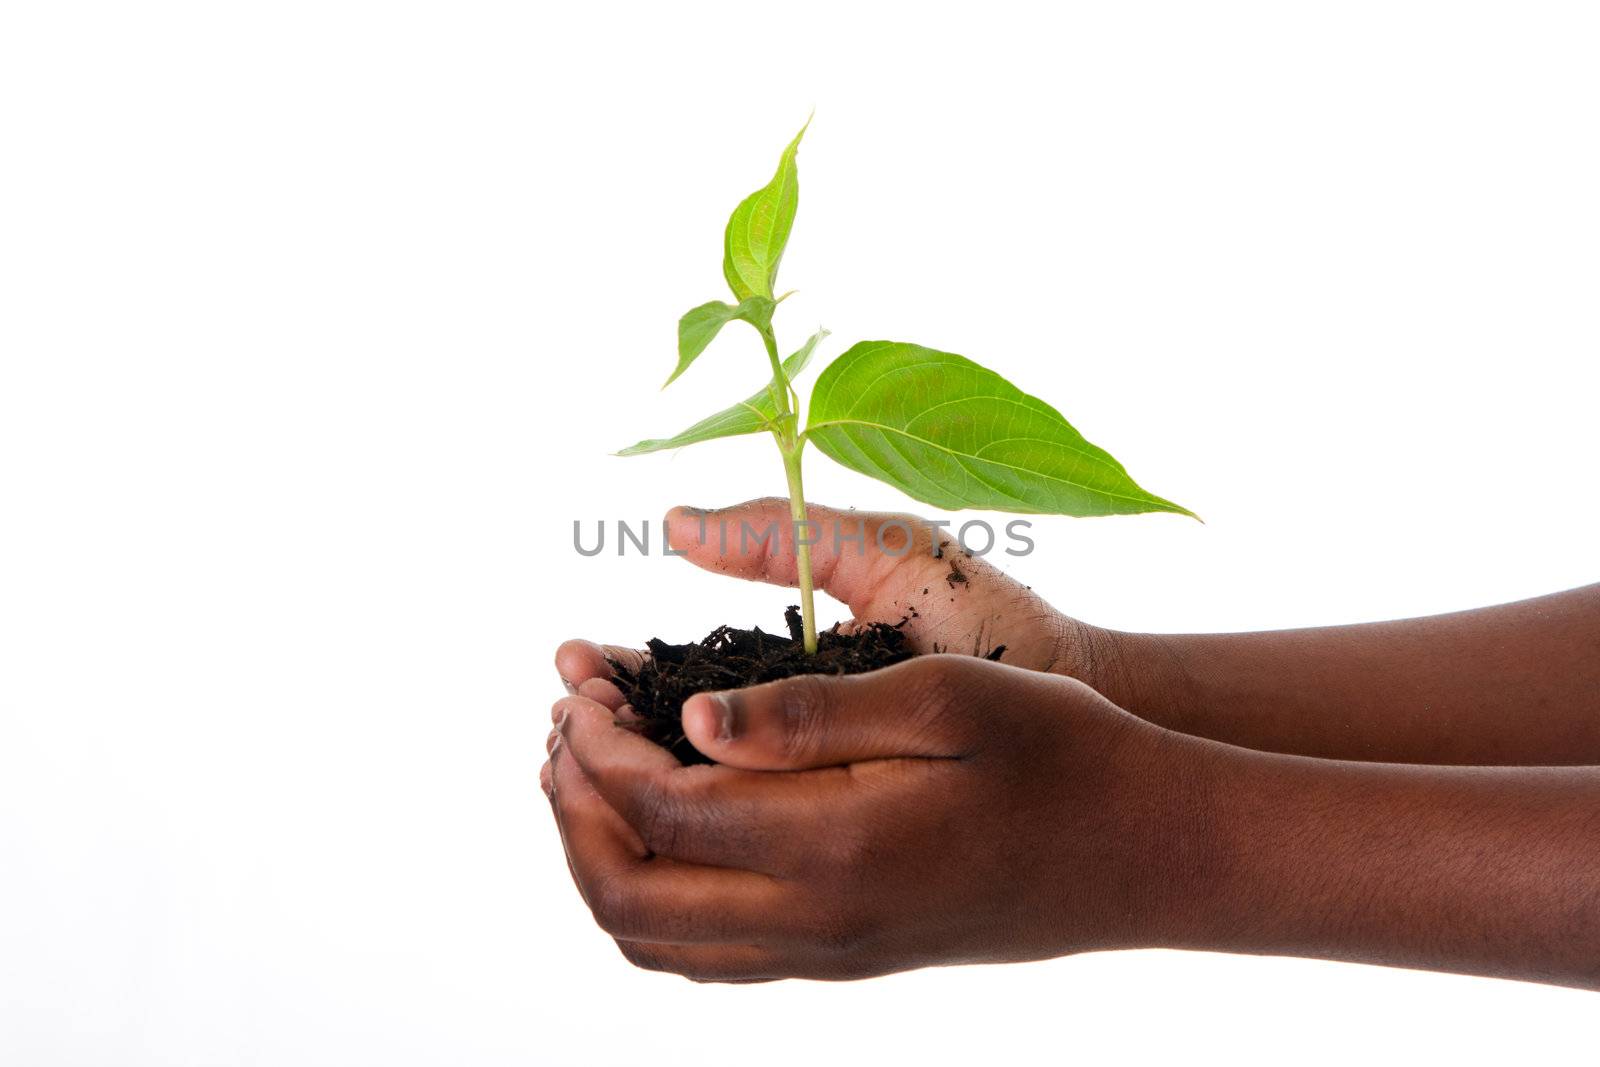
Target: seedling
(936, 426)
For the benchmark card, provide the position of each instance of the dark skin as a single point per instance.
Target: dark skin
(1423, 793)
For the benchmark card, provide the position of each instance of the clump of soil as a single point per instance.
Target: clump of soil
(731, 659)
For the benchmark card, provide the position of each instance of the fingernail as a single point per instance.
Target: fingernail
(727, 716)
(572, 690)
(558, 714)
(550, 742)
(696, 512)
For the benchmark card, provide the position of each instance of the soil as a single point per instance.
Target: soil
(730, 658)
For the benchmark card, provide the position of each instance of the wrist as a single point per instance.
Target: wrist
(1181, 846)
(1241, 842)
(1143, 808)
(1140, 673)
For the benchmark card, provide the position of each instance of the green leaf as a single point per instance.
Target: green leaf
(950, 433)
(749, 416)
(700, 326)
(759, 229)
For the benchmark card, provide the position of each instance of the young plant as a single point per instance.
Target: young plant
(936, 426)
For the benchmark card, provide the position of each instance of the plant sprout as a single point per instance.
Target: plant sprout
(936, 426)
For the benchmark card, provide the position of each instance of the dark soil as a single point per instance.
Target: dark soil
(732, 659)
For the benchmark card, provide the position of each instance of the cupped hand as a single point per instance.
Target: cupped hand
(944, 810)
(884, 567)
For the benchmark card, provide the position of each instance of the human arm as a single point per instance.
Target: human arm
(949, 810)
(1516, 684)
(1513, 684)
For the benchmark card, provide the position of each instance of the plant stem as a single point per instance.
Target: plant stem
(802, 549)
(792, 444)
(779, 386)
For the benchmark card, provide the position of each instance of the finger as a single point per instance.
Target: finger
(927, 707)
(582, 815)
(852, 553)
(603, 691)
(587, 826)
(639, 898)
(577, 661)
(887, 567)
(703, 815)
(664, 902)
(707, 963)
(750, 964)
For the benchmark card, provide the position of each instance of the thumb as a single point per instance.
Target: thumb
(851, 551)
(924, 707)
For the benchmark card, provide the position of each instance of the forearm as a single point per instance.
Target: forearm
(1516, 684)
(1492, 871)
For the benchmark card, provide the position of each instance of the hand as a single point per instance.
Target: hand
(944, 810)
(884, 568)
(950, 810)
(1510, 685)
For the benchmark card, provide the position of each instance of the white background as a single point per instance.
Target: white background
(318, 322)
